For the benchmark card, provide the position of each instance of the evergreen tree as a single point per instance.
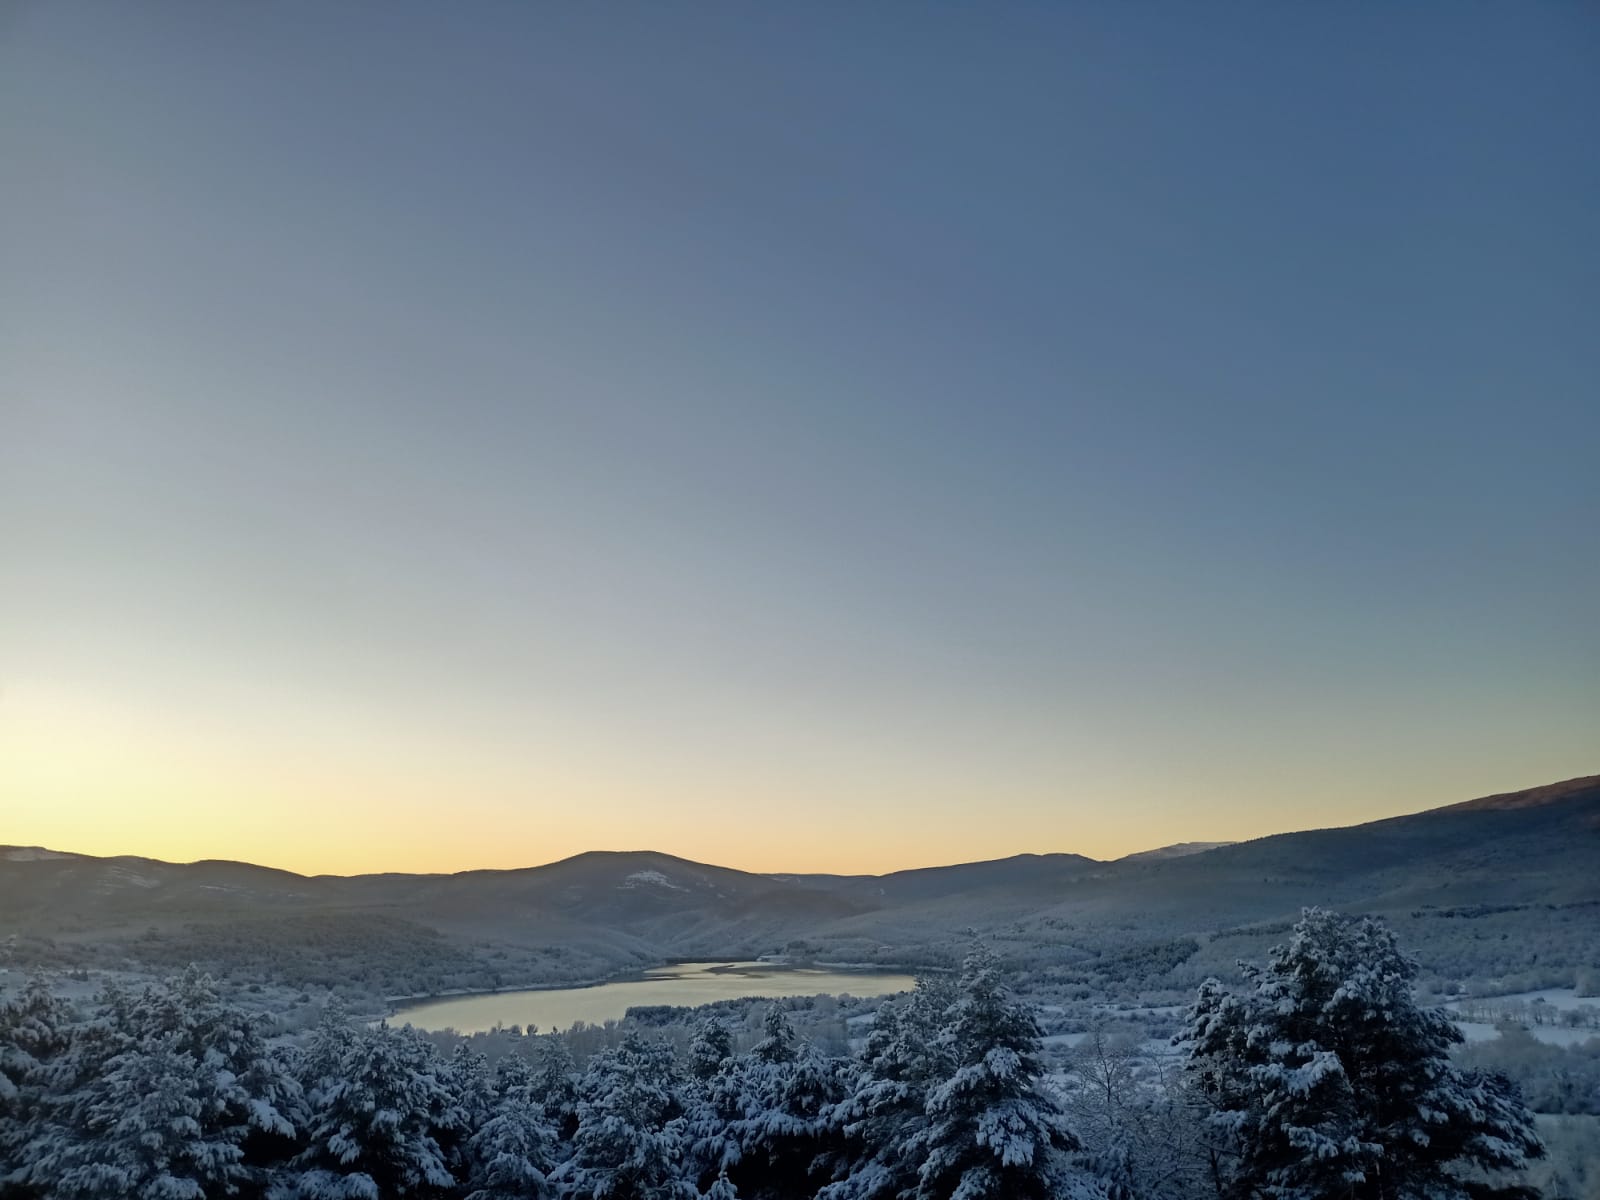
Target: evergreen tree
(991, 1133)
(629, 1140)
(554, 1085)
(145, 1133)
(473, 1103)
(377, 1108)
(63, 1118)
(467, 1076)
(247, 1090)
(879, 1119)
(714, 1108)
(160, 1094)
(1328, 1081)
(35, 1035)
(711, 1047)
(514, 1078)
(787, 1141)
(511, 1154)
(779, 1044)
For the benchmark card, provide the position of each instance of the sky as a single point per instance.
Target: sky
(796, 437)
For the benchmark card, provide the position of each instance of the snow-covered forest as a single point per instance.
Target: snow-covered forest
(1322, 1077)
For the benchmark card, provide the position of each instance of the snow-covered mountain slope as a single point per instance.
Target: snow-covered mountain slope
(1535, 847)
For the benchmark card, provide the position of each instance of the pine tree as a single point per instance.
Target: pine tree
(466, 1073)
(787, 1142)
(880, 1118)
(779, 1044)
(991, 1133)
(629, 1140)
(514, 1078)
(511, 1154)
(714, 1107)
(247, 1091)
(61, 1111)
(473, 1102)
(160, 1094)
(146, 1132)
(377, 1107)
(35, 1035)
(554, 1084)
(711, 1047)
(1328, 1081)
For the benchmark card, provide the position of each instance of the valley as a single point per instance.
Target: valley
(1498, 894)
(1498, 900)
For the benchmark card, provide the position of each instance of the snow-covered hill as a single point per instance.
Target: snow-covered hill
(612, 909)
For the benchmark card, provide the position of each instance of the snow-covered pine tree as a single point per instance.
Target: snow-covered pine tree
(780, 1043)
(145, 1131)
(880, 1118)
(1327, 1079)
(629, 1140)
(554, 1084)
(466, 1077)
(714, 1107)
(157, 1094)
(35, 1027)
(751, 1091)
(247, 1090)
(711, 1047)
(511, 1154)
(62, 1115)
(992, 1134)
(788, 1145)
(376, 1107)
(36, 1035)
(514, 1077)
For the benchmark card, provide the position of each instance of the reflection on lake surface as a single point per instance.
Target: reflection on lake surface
(685, 984)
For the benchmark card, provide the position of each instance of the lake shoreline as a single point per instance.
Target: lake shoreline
(685, 983)
(399, 1004)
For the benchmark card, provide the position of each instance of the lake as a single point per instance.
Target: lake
(686, 984)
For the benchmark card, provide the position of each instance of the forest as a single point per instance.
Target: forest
(1319, 1076)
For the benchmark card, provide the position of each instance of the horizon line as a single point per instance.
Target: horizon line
(1559, 786)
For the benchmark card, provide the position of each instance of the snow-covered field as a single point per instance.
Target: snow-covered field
(1556, 1016)
(1478, 1031)
(1564, 999)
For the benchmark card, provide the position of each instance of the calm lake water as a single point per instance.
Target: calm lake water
(685, 984)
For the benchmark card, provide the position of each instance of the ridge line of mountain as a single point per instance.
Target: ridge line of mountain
(1542, 795)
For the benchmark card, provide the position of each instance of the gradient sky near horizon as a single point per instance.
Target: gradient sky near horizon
(836, 437)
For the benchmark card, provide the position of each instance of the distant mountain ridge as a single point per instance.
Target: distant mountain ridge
(1537, 846)
(1580, 788)
(1176, 850)
(1550, 793)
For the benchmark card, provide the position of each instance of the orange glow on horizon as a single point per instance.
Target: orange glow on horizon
(108, 779)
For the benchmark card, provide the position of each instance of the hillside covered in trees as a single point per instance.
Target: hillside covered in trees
(1320, 1078)
(1496, 895)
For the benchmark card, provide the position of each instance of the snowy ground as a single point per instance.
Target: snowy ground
(1563, 999)
(1556, 1016)
(1478, 1031)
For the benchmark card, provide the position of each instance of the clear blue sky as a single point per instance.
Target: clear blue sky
(797, 436)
